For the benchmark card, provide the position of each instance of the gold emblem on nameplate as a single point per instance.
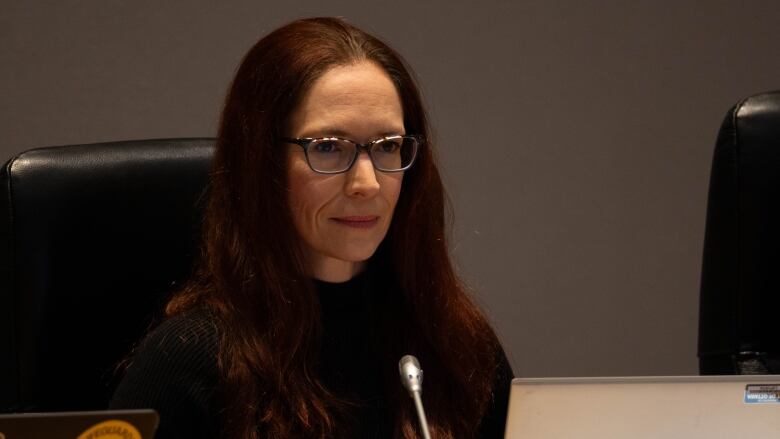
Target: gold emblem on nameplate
(112, 429)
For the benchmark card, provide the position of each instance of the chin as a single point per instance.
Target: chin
(355, 254)
(356, 257)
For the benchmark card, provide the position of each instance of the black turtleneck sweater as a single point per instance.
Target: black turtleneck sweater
(174, 370)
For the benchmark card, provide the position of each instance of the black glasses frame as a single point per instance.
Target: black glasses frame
(307, 141)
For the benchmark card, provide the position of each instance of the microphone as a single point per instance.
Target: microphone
(411, 378)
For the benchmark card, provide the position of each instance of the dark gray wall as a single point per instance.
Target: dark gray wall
(575, 139)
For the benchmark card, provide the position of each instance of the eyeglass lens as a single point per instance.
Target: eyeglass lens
(334, 155)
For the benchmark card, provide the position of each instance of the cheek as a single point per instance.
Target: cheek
(296, 185)
(308, 195)
(391, 188)
(300, 198)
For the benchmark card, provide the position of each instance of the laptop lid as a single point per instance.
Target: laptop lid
(743, 406)
(111, 424)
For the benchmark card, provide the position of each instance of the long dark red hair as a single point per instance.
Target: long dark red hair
(252, 273)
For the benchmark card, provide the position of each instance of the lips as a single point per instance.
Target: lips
(358, 222)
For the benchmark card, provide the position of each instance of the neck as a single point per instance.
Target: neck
(335, 270)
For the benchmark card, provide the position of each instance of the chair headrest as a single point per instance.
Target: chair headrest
(94, 237)
(740, 286)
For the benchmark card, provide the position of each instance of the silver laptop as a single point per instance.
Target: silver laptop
(699, 407)
(126, 424)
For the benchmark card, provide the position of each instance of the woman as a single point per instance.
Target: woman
(324, 261)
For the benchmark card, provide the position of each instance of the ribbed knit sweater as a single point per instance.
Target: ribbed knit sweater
(174, 371)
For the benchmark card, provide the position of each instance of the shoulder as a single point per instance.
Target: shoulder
(174, 371)
(190, 333)
(185, 342)
(185, 345)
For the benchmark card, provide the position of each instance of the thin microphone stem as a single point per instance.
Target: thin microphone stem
(421, 414)
(411, 378)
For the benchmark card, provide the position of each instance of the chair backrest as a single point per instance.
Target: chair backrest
(739, 331)
(93, 238)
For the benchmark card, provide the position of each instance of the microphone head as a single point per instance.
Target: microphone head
(411, 374)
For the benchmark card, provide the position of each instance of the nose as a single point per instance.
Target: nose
(361, 178)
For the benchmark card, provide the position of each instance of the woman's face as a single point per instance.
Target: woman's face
(342, 218)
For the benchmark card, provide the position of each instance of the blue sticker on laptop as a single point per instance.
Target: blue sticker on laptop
(762, 394)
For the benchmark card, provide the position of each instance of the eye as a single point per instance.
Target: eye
(326, 146)
(389, 146)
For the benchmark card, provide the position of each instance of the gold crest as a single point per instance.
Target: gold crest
(112, 429)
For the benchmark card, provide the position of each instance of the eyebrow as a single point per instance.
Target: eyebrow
(344, 134)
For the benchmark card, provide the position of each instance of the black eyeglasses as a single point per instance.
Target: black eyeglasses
(334, 155)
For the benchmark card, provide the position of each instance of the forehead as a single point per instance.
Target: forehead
(358, 99)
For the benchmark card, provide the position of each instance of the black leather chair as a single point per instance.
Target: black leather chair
(739, 324)
(94, 238)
